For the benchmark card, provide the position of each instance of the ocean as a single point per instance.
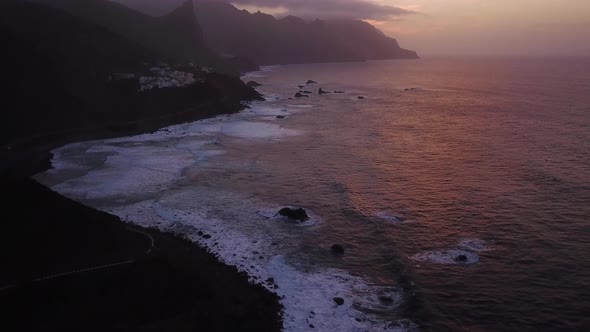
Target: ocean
(459, 189)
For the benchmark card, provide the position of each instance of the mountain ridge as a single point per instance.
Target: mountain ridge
(267, 40)
(71, 77)
(176, 35)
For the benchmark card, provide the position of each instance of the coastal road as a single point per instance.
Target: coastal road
(93, 268)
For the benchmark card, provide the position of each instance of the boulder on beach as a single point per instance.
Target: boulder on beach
(297, 214)
(253, 84)
(338, 91)
(280, 116)
(321, 91)
(299, 95)
(311, 82)
(361, 97)
(301, 86)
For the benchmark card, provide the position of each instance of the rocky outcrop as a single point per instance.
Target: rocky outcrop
(296, 214)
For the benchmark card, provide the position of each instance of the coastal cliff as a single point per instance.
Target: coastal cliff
(267, 40)
(70, 267)
(72, 78)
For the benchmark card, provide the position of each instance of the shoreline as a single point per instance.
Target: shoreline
(105, 273)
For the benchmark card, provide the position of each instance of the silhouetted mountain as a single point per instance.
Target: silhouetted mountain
(266, 40)
(368, 41)
(176, 35)
(62, 76)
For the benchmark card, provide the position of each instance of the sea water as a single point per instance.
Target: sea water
(459, 189)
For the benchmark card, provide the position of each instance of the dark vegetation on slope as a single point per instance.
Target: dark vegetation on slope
(177, 35)
(57, 82)
(176, 287)
(267, 40)
(56, 89)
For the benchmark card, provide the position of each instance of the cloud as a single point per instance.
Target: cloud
(357, 9)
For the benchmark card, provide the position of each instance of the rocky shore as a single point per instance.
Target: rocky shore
(70, 267)
(66, 266)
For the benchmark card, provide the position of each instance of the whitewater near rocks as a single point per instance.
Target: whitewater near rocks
(176, 179)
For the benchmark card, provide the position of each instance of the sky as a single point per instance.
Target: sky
(449, 27)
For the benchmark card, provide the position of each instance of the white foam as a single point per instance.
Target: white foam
(129, 171)
(473, 244)
(268, 111)
(306, 295)
(390, 218)
(240, 230)
(272, 96)
(447, 257)
(468, 247)
(263, 72)
(61, 162)
(300, 106)
(247, 129)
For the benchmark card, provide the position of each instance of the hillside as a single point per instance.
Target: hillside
(267, 40)
(176, 35)
(62, 80)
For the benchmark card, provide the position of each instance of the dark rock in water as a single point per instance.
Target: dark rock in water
(311, 82)
(311, 326)
(206, 236)
(301, 86)
(461, 258)
(298, 214)
(299, 95)
(338, 91)
(361, 97)
(337, 249)
(321, 91)
(253, 84)
(339, 300)
(308, 92)
(386, 300)
(280, 116)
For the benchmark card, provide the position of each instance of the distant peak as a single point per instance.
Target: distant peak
(293, 19)
(185, 10)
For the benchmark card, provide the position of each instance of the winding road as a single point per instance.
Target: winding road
(93, 268)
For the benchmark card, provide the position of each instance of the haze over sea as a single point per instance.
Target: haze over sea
(459, 188)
